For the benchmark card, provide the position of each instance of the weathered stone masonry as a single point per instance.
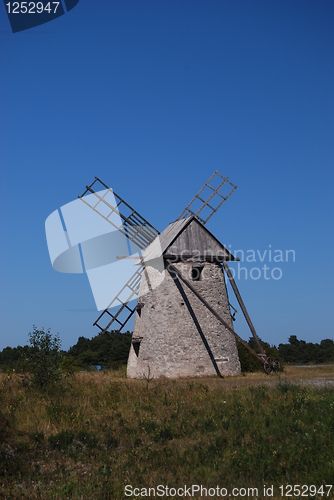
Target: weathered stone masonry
(175, 335)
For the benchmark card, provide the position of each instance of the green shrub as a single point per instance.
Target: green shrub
(44, 357)
(68, 365)
(249, 363)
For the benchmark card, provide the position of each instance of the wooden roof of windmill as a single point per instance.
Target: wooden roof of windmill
(187, 239)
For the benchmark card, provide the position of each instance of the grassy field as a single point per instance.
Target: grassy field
(97, 432)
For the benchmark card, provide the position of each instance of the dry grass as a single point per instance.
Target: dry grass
(96, 432)
(310, 371)
(310, 375)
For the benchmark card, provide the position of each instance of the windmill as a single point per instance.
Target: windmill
(183, 320)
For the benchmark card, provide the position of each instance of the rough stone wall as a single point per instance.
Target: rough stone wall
(179, 336)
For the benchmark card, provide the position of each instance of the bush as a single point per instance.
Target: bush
(68, 365)
(249, 363)
(44, 357)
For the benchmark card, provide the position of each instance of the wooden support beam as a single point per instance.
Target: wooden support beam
(243, 307)
(174, 271)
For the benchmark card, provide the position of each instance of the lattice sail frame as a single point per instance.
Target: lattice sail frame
(187, 212)
(134, 226)
(131, 288)
(139, 231)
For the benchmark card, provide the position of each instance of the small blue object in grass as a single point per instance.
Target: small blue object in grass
(96, 367)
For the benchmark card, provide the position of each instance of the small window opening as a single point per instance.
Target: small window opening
(196, 272)
(233, 311)
(136, 345)
(139, 307)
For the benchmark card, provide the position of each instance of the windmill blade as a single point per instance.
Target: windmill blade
(133, 225)
(125, 295)
(208, 199)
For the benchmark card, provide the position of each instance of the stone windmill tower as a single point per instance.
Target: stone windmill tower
(183, 321)
(174, 333)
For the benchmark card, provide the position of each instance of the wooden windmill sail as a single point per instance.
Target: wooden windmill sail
(183, 324)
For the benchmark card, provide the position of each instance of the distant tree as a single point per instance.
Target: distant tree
(293, 340)
(44, 357)
(13, 358)
(300, 352)
(105, 350)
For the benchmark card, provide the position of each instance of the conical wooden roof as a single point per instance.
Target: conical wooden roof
(187, 238)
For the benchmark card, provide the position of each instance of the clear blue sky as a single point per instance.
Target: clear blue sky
(153, 96)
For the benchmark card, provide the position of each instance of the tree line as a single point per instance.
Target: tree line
(111, 351)
(106, 351)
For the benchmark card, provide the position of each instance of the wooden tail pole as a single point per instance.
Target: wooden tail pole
(242, 305)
